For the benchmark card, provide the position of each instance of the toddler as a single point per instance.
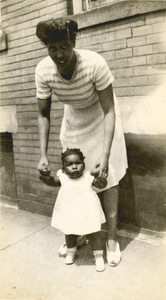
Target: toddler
(77, 209)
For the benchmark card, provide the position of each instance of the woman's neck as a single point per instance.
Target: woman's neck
(69, 73)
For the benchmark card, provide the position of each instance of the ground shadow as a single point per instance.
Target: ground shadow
(127, 207)
(84, 256)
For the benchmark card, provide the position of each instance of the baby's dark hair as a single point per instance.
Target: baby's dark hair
(54, 30)
(71, 151)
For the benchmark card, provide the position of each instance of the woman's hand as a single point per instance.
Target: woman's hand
(45, 173)
(43, 165)
(101, 167)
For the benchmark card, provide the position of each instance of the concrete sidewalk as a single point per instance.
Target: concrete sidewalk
(32, 270)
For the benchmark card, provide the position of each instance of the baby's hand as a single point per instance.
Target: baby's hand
(45, 176)
(99, 182)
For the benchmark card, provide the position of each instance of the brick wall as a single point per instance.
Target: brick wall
(134, 48)
(18, 88)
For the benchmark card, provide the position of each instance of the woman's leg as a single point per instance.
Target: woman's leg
(110, 206)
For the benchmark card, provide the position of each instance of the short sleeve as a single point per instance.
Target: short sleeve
(43, 91)
(89, 177)
(102, 76)
(59, 173)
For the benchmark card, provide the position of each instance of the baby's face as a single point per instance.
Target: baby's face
(73, 166)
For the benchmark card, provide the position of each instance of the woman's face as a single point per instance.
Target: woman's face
(62, 55)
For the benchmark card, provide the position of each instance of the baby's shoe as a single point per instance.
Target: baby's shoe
(81, 240)
(113, 257)
(62, 251)
(70, 257)
(99, 261)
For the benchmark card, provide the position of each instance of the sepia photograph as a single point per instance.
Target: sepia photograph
(82, 150)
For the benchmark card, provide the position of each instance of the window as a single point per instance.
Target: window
(80, 5)
(3, 38)
(84, 5)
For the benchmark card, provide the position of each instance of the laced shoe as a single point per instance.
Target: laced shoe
(70, 257)
(81, 240)
(62, 251)
(99, 261)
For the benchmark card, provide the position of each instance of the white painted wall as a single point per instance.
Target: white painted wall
(145, 115)
(8, 119)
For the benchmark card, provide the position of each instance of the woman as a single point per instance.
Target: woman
(82, 80)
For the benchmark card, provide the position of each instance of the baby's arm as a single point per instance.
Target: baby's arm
(99, 182)
(45, 176)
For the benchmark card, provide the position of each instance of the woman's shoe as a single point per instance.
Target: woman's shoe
(113, 257)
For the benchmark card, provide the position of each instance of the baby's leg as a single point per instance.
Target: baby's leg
(96, 243)
(95, 240)
(71, 242)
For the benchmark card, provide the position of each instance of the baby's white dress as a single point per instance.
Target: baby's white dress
(77, 208)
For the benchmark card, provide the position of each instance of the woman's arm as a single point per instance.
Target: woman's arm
(107, 103)
(44, 107)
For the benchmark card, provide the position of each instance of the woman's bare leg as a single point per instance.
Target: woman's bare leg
(110, 206)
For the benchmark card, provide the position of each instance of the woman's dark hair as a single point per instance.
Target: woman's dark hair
(54, 30)
(73, 151)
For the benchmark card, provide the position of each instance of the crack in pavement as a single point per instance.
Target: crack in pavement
(24, 238)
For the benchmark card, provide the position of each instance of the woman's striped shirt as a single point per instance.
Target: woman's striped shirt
(91, 74)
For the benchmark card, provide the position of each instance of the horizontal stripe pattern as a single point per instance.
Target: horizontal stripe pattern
(91, 74)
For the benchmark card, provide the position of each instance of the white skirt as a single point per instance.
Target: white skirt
(84, 129)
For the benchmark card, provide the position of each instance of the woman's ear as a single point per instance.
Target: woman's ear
(74, 44)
